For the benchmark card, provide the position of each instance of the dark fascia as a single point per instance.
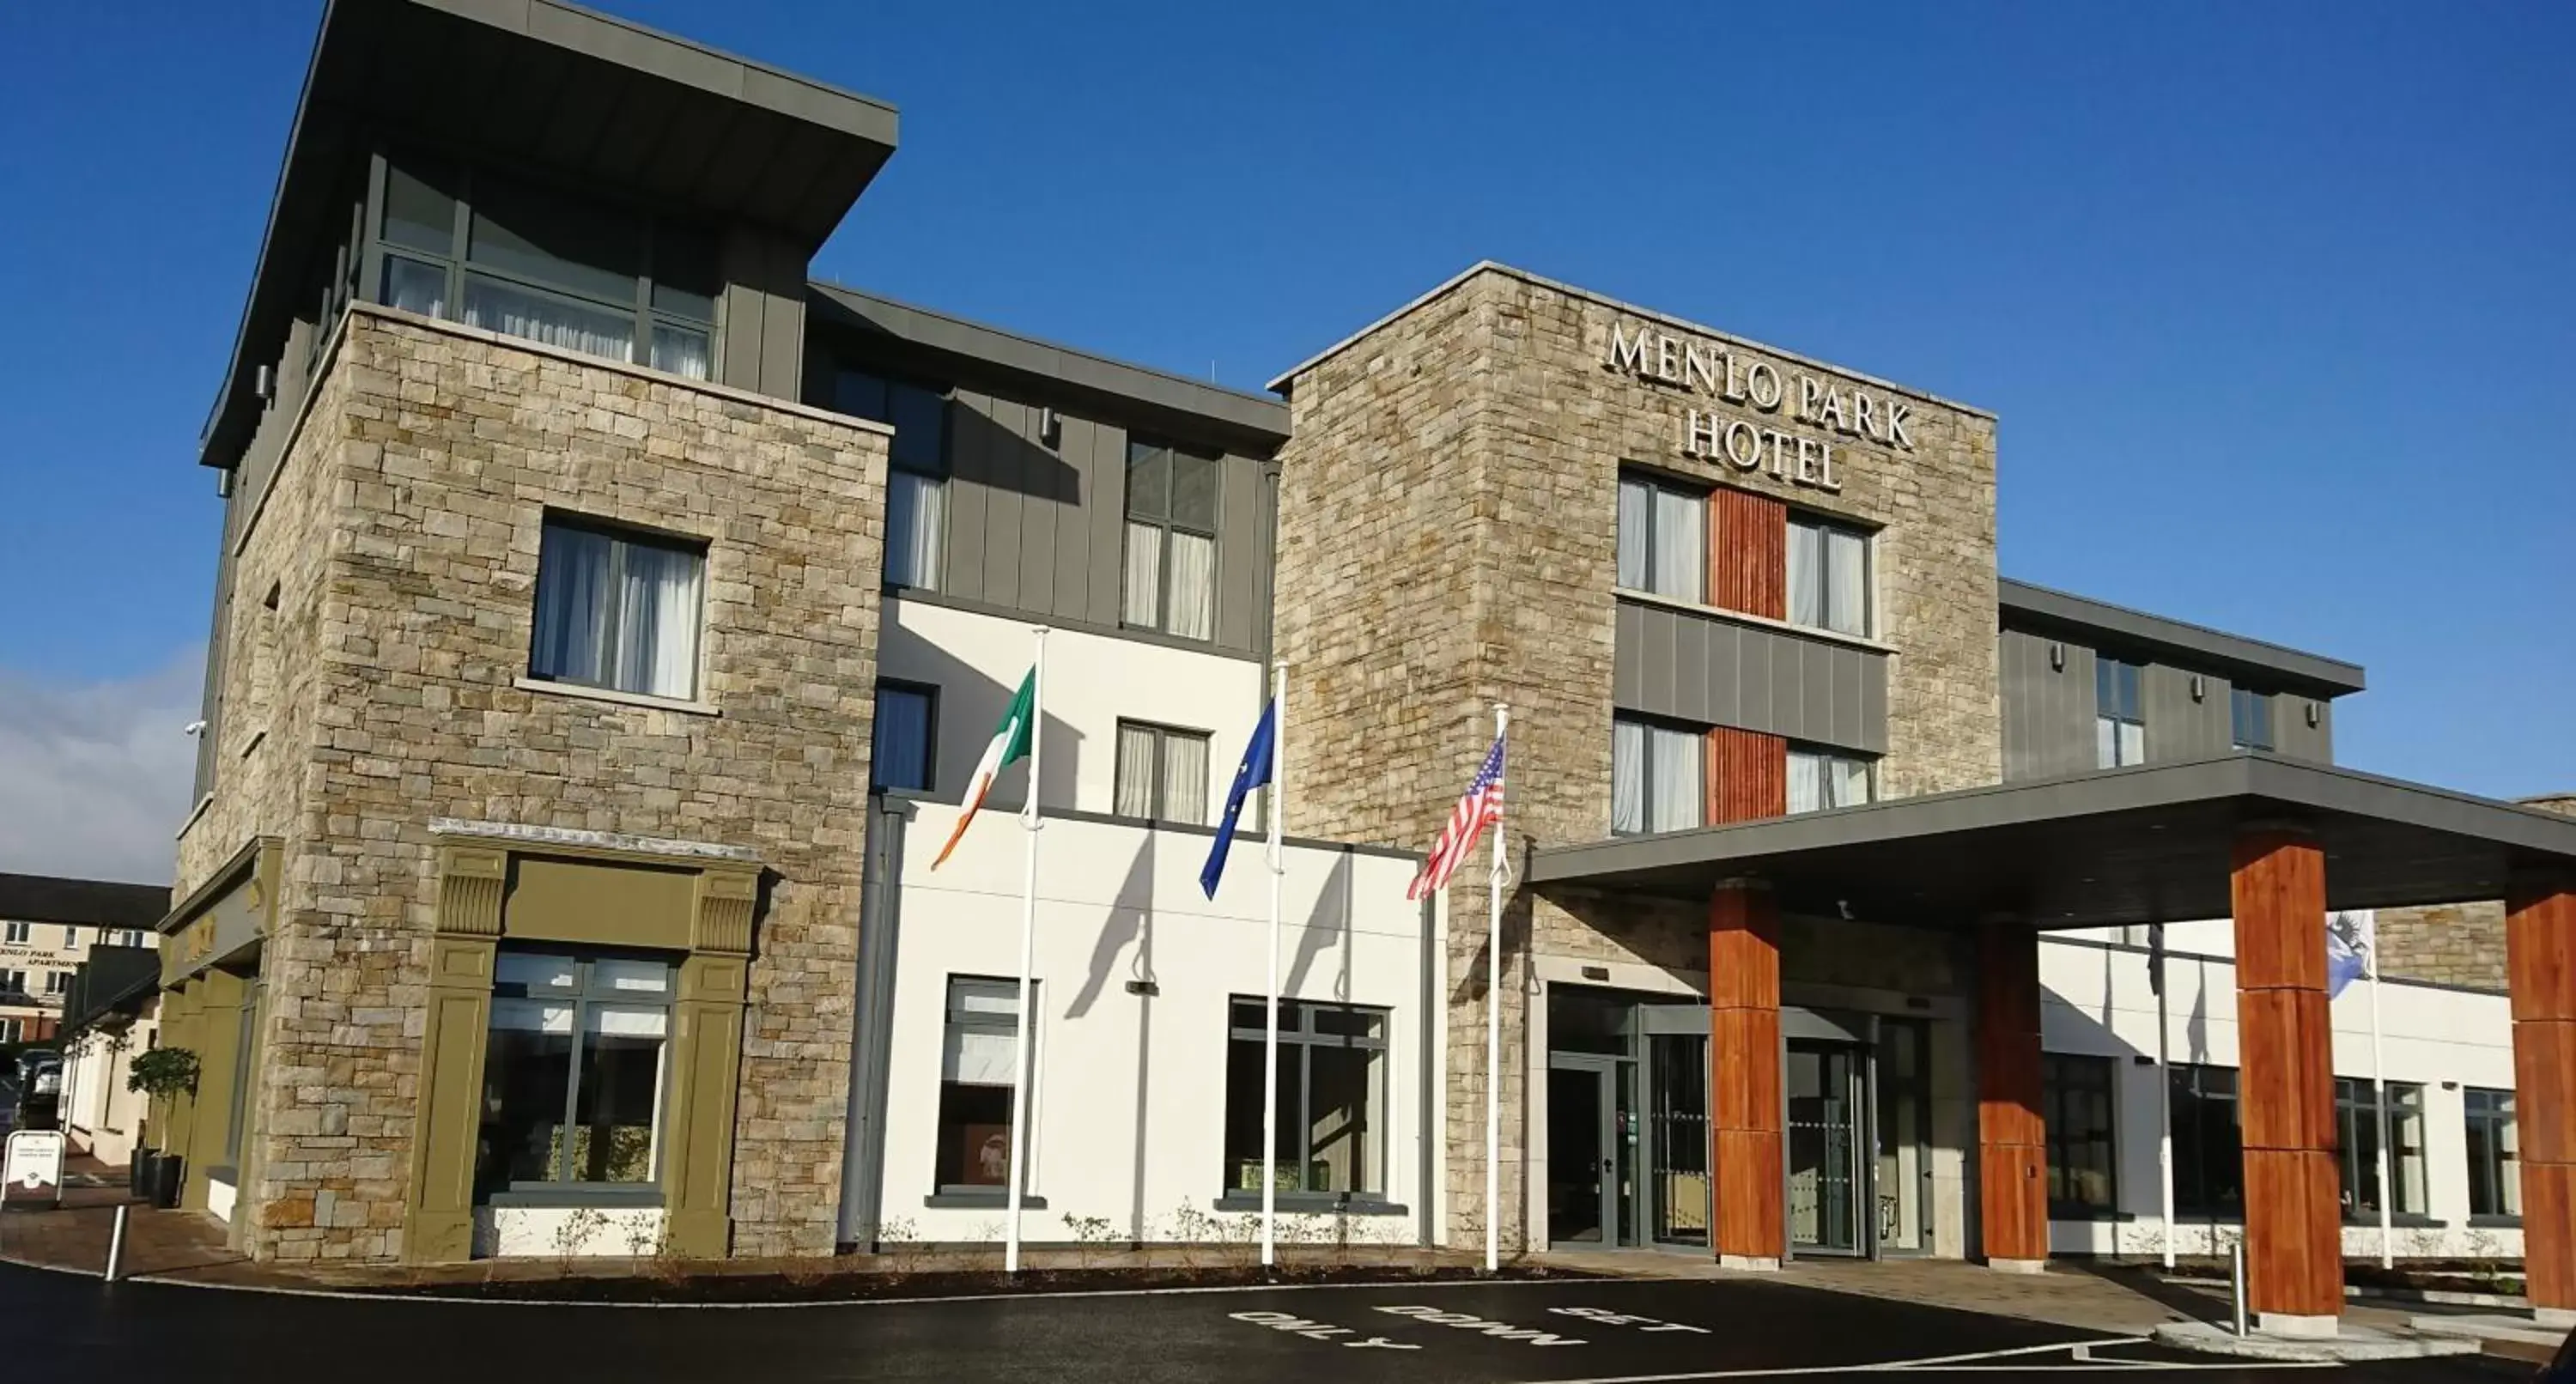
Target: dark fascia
(581, 32)
(2271, 666)
(110, 980)
(2294, 783)
(81, 902)
(1247, 419)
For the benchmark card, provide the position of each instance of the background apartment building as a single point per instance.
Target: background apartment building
(47, 928)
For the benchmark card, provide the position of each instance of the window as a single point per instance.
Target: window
(20, 932)
(2495, 1154)
(12, 1030)
(13, 982)
(57, 982)
(1171, 540)
(1663, 539)
(1162, 773)
(917, 480)
(907, 719)
(71, 937)
(574, 1067)
(617, 609)
(2357, 1118)
(526, 261)
(123, 937)
(2208, 1151)
(245, 1032)
(2119, 717)
(1654, 776)
(1828, 576)
(1332, 1099)
(2251, 715)
(977, 1061)
(1820, 779)
(2076, 1101)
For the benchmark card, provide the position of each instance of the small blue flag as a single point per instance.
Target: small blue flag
(1253, 773)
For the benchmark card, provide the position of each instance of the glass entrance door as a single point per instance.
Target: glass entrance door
(1825, 1091)
(1591, 1154)
(1901, 1103)
(1677, 1135)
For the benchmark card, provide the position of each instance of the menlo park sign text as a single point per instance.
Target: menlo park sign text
(1797, 457)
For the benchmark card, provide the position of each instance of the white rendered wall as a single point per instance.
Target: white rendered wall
(99, 1114)
(1093, 681)
(564, 1232)
(1128, 1101)
(2096, 1000)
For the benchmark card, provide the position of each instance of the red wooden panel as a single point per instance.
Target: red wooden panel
(1748, 775)
(2012, 1189)
(1744, 1069)
(1748, 553)
(2293, 1232)
(1750, 1189)
(1743, 950)
(2544, 1083)
(2285, 1042)
(2008, 1064)
(2540, 953)
(2279, 893)
(2549, 1233)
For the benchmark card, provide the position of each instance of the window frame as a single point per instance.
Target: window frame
(621, 536)
(2056, 1139)
(2351, 1113)
(1657, 487)
(15, 932)
(2104, 667)
(1303, 1036)
(1170, 523)
(2493, 1111)
(954, 1017)
(1698, 737)
(2193, 1183)
(582, 997)
(13, 981)
(2245, 702)
(1161, 793)
(1826, 526)
(929, 694)
(937, 471)
(1827, 756)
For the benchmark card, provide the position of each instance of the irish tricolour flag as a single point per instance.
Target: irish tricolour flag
(1010, 742)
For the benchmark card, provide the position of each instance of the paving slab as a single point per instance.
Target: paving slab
(2351, 1344)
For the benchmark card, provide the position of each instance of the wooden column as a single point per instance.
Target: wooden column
(2540, 962)
(2286, 1105)
(2012, 1150)
(1744, 1075)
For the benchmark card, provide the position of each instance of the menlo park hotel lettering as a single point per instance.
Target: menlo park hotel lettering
(1662, 358)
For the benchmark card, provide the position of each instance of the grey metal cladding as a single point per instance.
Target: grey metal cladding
(2293, 737)
(2047, 710)
(2252, 661)
(1240, 530)
(2180, 725)
(1710, 670)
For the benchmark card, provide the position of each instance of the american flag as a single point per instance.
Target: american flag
(1482, 807)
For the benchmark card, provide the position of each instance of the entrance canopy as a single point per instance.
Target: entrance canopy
(2143, 845)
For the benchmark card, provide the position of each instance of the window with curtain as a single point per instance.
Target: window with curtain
(917, 476)
(2119, 714)
(2250, 715)
(1663, 539)
(617, 609)
(17, 932)
(1821, 778)
(2208, 1150)
(1332, 1100)
(1170, 581)
(1162, 773)
(1828, 575)
(1655, 776)
(978, 1063)
(513, 257)
(2077, 1099)
(901, 749)
(575, 1070)
(2495, 1153)
(2357, 1117)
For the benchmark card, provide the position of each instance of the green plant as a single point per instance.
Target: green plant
(1090, 1237)
(573, 1232)
(162, 1072)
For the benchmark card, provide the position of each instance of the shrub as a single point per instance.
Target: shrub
(162, 1072)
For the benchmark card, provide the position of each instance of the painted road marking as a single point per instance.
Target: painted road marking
(1312, 1330)
(1970, 1362)
(1503, 1331)
(1607, 1317)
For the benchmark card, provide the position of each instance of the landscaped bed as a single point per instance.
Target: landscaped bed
(853, 1280)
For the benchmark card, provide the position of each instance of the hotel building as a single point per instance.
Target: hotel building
(608, 617)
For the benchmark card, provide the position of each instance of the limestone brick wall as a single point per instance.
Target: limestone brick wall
(409, 511)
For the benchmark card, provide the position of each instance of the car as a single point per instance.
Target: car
(2561, 1368)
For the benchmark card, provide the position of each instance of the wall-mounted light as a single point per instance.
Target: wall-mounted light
(2056, 657)
(2315, 714)
(2199, 688)
(1050, 426)
(263, 384)
(2450, 1085)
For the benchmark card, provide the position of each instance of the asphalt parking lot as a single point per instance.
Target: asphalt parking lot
(1626, 1331)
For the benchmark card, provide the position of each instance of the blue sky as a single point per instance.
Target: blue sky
(2274, 302)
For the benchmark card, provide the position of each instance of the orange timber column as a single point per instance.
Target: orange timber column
(2012, 1149)
(2285, 1035)
(1744, 1075)
(2540, 969)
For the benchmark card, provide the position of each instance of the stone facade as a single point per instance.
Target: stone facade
(2453, 943)
(384, 590)
(1448, 540)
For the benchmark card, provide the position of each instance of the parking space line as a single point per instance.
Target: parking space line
(1980, 1361)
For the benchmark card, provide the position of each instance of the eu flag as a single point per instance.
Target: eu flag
(1253, 773)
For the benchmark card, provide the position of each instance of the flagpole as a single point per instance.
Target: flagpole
(1029, 823)
(2379, 1098)
(1494, 1026)
(2161, 978)
(1270, 1037)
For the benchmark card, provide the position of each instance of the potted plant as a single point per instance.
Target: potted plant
(162, 1074)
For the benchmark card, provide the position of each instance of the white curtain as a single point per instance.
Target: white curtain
(1627, 776)
(1681, 546)
(916, 527)
(1674, 772)
(980, 1056)
(1141, 603)
(1806, 600)
(1806, 781)
(1193, 612)
(1135, 773)
(499, 307)
(1185, 779)
(1635, 504)
(1848, 780)
(681, 351)
(1846, 582)
(571, 596)
(415, 287)
(657, 622)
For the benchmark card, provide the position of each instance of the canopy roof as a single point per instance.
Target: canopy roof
(2150, 844)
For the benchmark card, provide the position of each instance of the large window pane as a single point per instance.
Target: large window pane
(916, 529)
(2209, 1157)
(978, 1064)
(415, 287)
(616, 611)
(527, 1082)
(2495, 1155)
(1161, 774)
(533, 234)
(1332, 1100)
(680, 350)
(619, 1097)
(1133, 794)
(657, 624)
(1141, 601)
(1846, 582)
(1194, 487)
(899, 755)
(2076, 1109)
(513, 311)
(573, 608)
(420, 208)
(1193, 589)
(1149, 481)
(1339, 1134)
(920, 419)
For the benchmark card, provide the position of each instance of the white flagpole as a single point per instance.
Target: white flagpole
(2379, 1097)
(1030, 821)
(2164, 1097)
(1270, 1038)
(1494, 1024)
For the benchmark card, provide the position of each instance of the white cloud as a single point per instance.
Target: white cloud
(95, 777)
